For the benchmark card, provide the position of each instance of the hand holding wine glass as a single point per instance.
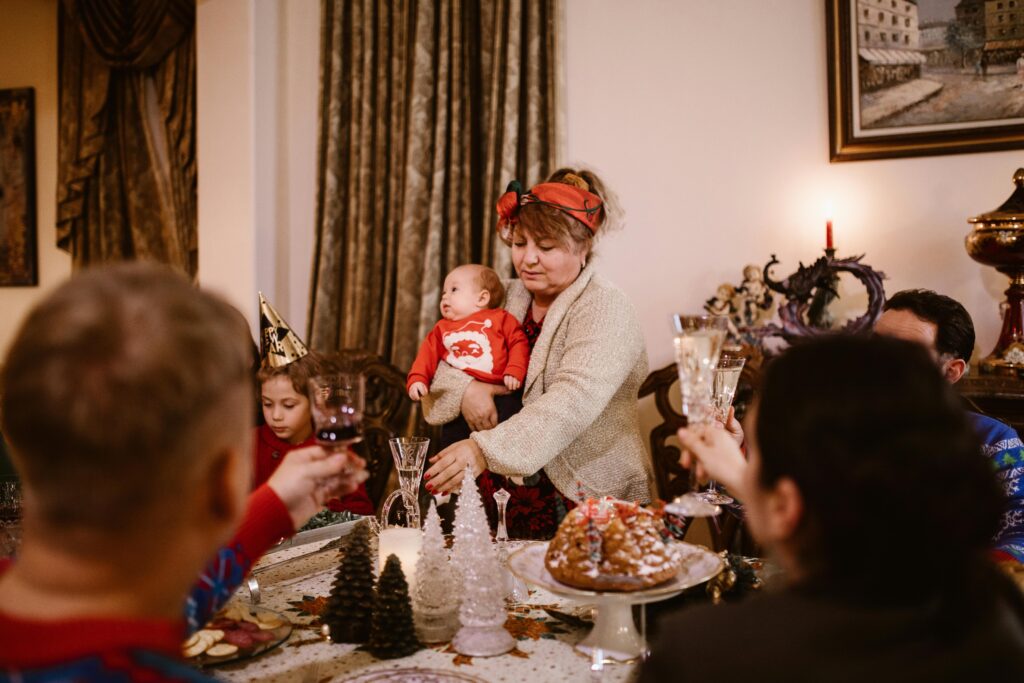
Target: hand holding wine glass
(337, 401)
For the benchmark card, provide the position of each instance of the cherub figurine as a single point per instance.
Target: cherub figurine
(724, 303)
(753, 297)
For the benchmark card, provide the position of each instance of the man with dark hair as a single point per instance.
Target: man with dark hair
(945, 328)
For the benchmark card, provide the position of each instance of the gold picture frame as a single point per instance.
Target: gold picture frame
(942, 61)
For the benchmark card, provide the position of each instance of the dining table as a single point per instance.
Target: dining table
(296, 582)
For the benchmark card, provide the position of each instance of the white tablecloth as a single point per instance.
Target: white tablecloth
(544, 652)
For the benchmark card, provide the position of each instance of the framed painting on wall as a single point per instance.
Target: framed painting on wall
(18, 263)
(922, 77)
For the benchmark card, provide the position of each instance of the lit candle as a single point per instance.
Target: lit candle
(828, 226)
(404, 543)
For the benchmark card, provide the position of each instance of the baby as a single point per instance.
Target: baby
(475, 334)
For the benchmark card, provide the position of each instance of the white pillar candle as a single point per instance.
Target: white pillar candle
(404, 543)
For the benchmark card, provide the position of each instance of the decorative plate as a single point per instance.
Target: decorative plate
(698, 565)
(414, 675)
(239, 632)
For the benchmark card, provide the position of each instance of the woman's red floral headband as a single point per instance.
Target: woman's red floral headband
(580, 203)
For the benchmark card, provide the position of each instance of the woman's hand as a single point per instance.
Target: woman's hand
(733, 427)
(478, 405)
(308, 477)
(715, 453)
(448, 467)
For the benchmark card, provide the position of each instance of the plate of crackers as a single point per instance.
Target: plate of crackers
(236, 632)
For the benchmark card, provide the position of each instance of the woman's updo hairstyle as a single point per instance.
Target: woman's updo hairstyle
(544, 222)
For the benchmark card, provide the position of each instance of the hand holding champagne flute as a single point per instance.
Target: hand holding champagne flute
(698, 341)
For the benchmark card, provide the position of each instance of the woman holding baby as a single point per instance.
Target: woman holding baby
(578, 432)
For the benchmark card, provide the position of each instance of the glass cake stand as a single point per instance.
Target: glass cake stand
(614, 633)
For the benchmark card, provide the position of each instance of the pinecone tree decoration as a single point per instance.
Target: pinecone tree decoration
(392, 634)
(435, 597)
(482, 611)
(350, 606)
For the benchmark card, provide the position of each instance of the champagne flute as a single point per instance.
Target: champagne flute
(726, 379)
(698, 343)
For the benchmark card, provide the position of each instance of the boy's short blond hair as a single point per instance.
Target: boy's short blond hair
(113, 390)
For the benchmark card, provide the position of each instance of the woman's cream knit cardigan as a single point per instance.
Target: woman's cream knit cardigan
(579, 419)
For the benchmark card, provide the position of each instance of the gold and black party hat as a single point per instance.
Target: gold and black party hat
(279, 345)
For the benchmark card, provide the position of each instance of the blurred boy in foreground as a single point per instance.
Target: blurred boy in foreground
(127, 402)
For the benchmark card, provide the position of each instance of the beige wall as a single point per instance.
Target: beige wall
(258, 64)
(719, 152)
(28, 58)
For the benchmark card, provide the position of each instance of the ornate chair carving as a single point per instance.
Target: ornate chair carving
(729, 533)
(389, 412)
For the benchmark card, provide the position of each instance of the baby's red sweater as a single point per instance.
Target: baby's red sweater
(486, 345)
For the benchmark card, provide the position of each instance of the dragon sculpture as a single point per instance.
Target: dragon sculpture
(809, 290)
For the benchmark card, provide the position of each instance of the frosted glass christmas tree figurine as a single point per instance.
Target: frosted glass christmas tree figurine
(482, 612)
(435, 599)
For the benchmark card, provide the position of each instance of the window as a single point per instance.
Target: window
(906, 40)
(906, 22)
(881, 17)
(894, 20)
(894, 4)
(999, 5)
(882, 36)
(865, 14)
(867, 36)
(895, 37)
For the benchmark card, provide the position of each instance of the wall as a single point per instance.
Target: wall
(719, 155)
(28, 58)
(258, 65)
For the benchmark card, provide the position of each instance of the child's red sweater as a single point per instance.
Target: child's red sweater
(270, 451)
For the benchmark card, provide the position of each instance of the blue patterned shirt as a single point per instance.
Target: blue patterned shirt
(1004, 449)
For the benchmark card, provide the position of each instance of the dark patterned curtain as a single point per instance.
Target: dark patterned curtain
(127, 134)
(427, 110)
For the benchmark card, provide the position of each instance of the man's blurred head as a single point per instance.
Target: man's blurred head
(127, 404)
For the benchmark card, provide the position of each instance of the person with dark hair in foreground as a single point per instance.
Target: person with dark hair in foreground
(945, 329)
(866, 486)
(128, 406)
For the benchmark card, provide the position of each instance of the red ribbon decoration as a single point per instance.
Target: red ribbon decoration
(582, 205)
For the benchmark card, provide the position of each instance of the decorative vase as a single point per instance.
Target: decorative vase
(997, 239)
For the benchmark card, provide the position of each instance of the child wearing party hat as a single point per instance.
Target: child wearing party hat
(286, 366)
(474, 335)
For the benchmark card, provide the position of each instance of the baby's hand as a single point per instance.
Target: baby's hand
(511, 383)
(417, 391)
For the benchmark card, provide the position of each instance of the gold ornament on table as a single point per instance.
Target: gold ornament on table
(279, 345)
(997, 240)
